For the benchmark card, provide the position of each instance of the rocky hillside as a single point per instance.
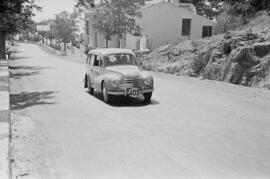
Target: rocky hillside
(240, 57)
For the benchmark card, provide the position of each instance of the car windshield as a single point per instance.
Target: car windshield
(119, 59)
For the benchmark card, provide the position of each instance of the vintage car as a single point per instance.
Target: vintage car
(114, 71)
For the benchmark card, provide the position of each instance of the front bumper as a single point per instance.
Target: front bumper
(125, 91)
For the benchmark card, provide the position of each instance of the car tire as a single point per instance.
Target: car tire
(90, 88)
(106, 96)
(147, 97)
(85, 82)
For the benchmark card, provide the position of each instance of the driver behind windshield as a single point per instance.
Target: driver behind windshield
(119, 59)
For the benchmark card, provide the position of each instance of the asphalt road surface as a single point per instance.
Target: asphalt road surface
(192, 128)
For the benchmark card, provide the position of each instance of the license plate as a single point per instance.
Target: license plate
(135, 92)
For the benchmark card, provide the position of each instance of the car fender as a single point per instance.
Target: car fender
(107, 77)
(98, 80)
(145, 74)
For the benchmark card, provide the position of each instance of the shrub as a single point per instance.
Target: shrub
(261, 19)
(227, 22)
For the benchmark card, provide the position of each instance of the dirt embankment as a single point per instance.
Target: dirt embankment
(239, 57)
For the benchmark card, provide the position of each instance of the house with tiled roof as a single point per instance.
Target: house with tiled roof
(162, 22)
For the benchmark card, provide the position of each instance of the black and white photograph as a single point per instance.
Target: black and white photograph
(134, 89)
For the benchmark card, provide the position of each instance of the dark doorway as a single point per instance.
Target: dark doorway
(186, 27)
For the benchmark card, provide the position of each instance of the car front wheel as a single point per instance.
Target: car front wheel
(147, 97)
(106, 96)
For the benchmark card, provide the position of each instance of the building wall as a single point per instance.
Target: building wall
(113, 43)
(131, 42)
(197, 26)
(162, 23)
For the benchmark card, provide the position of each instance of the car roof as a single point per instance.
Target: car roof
(108, 51)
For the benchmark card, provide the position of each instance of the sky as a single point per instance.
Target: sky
(52, 7)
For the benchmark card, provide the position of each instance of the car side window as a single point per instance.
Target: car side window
(99, 61)
(92, 60)
(96, 62)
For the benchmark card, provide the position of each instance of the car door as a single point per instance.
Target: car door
(97, 71)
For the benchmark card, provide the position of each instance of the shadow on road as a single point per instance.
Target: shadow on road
(28, 68)
(20, 71)
(22, 74)
(17, 58)
(16, 51)
(126, 101)
(27, 99)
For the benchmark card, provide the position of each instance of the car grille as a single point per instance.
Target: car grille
(136, 82)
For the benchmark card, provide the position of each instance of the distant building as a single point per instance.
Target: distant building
(162, 22)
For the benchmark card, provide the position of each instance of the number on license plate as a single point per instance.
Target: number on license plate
(135, 92)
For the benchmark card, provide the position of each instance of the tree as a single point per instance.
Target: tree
(85, 4)
(63, 26)
(33, 29)
(260, 4)
(245, 9)
(49, 35)
(29, 33)
(241, 7)
(15, 16)
(248, 7)
(115, 18)
(104, 22)
(45, 34)
(207, 8)
(236, 13)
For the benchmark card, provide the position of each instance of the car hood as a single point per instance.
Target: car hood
(125, 70)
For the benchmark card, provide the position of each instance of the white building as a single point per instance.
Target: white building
(162, 22)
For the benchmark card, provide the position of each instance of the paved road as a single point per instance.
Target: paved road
(192, 129)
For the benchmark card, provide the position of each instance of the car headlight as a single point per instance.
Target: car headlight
(115, 83)
(148, 81)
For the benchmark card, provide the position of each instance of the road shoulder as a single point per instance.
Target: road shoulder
(4, 120)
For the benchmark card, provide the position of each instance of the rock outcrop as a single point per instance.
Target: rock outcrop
(243, 59)
(239, 57)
